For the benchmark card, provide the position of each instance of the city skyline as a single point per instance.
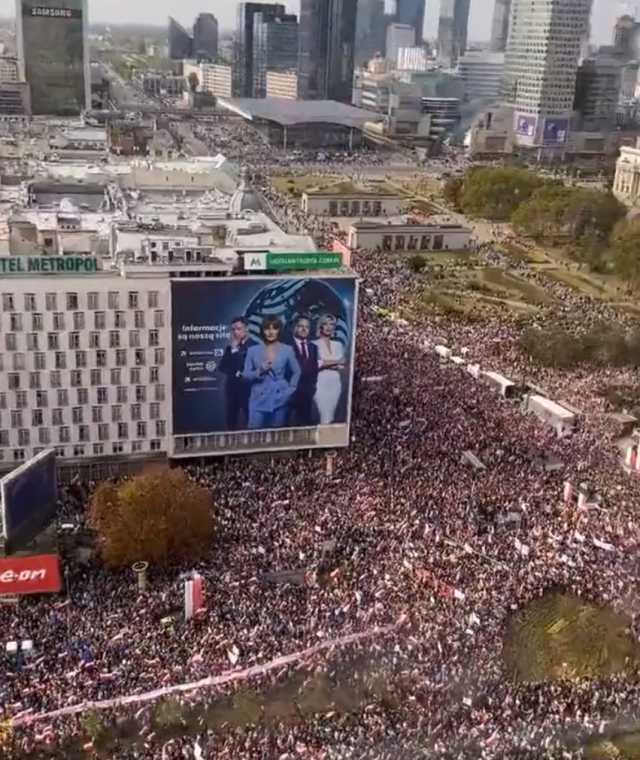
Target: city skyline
(156, 12)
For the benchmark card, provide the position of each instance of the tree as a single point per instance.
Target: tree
(156, 517)
(495, 193)
(452, 190)
(541, 216)
(193, 81)
(625, 250)
(417, 263)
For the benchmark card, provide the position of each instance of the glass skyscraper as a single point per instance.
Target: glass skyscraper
(275, 48)
(53, 55)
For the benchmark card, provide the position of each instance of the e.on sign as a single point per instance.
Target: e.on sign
(38, 574)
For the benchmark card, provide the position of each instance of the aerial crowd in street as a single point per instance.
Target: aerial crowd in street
(407, 614)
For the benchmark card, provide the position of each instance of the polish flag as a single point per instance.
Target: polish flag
(192, 596)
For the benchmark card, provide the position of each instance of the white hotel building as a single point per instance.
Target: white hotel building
(85, 354)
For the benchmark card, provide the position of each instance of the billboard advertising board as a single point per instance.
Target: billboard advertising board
(555, 131)
(29, 500)
(526, 125)
(36, 574)
(262, 362)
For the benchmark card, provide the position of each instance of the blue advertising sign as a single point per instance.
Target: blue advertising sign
(526, 125)
(262, 354)
(555, 131)
(29, 500)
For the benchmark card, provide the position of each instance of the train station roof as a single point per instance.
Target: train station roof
(288, 112)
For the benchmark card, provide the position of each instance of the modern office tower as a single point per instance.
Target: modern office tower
(598, 86)
(53, 55)
(411, 12)
(625, 34)
(243, 59)
(452, 30)
(399, 36)
(275, 48)
(540, 78)
(180, 42)
(370, 30)
(326, 52)
(482, 72)
(205, 38)
(500, 25)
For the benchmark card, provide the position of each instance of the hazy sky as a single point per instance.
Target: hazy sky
(156, 11)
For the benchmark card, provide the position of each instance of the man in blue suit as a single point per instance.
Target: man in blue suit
(236, 389)
(307, 355)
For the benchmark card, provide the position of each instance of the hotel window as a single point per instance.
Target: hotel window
(154, 338)
(120, 320)
(102, 396)
(42, 399)
(121, 357)
(72, 301)
(116, 413)
(116, 376)
(95, 377)
(51, 301)
(98, 449)
(64, 435)
(141, 429)
(74, 340)
(24, 437)
(133, 300)
(55, 379)
(154, 374)
(77, 415)
(53, 341)
(100, 320)
(32, 341)
(121, 394)
(93, 301)
(76, 378)
(158, 356)
(140, 357)
(153, 299)
(60, 360)
(82, 396)
(134, 338)
(7, 302)
(135, 376)
(123, 430)
(37, 418)
(101, 358)
(15, 322)
(63, 397)
(16, 418)
(78, 320)
(21, 399)
(158, 318)
(94, 340)
(29, 302)
(141, 393)
(113, 300)
(114, 339)
(81, 359)
(13, 381)
(96, 414)
(18, 362)
(103, 432)
(57, 417)
(37, 322)
(35, 382)
(40, 360)
(161, 428)
(138, 319)
(11, 342)
(44, 436)
(159, 392)
(58, 321)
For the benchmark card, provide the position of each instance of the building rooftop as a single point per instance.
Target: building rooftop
(287, 112)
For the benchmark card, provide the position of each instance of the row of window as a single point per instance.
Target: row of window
(45, 437)
(96, 449)
(120, 359)
(78, 320)
(141, 394)
(81, 359)
(80, 415)
(54, 301)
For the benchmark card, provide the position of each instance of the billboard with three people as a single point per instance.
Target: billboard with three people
(256, 356)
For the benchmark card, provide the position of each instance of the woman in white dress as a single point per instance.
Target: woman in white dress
(331, 360)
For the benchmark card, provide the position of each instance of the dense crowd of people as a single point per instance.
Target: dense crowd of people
(408, 613)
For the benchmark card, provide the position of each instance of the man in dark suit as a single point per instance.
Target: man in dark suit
(236, 388)
(307, 356)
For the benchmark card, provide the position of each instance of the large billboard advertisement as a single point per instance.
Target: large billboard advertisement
(262, 362)
(526, 125)
(52, 41)
(555, 131)
(35, 574)
(29, 500)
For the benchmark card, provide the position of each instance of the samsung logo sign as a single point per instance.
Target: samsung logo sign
(44, 12)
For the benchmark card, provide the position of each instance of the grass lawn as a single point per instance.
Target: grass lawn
(521, 289)
(561, 636)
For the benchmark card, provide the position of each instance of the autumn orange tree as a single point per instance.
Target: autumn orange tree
(156, 517)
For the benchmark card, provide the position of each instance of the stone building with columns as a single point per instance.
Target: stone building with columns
(626, 183)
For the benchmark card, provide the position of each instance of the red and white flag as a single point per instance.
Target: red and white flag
(192, 596)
